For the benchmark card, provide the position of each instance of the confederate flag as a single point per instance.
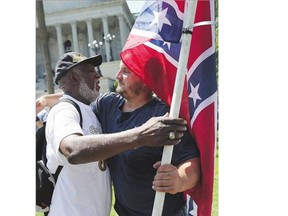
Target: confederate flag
(152, 52)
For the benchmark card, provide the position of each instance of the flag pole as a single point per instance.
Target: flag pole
(178, 90)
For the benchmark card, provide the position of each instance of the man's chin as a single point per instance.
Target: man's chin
(119, 90)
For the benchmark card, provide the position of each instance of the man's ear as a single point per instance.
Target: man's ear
(74, 78)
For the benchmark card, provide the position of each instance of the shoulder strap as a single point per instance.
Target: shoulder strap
(79, 111)
(75, 105)
(59, 168)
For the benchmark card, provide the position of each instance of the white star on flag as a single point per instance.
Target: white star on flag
(167, 44)
(194, 210)
(194, 93)
(160, 19)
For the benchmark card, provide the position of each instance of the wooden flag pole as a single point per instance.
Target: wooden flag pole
(188, 21)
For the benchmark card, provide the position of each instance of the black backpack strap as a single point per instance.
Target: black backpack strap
(81, 120)
(59, 168)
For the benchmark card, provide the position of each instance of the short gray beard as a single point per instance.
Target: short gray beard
(135, 89)
(87, 93)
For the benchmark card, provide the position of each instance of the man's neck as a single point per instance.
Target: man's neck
(132, 104)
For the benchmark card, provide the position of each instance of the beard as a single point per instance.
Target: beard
(119, 90)
(87, 93)
(133, 90)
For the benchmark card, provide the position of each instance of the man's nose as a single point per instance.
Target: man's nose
(98, 75)
(119, 74)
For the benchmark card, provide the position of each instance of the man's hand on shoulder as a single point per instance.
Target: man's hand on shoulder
(162, 130)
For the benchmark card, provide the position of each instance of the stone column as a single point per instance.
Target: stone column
(122, 28)
(90, 34)
(59, 40)
(128, 29)
(106, 31)
(74, 36)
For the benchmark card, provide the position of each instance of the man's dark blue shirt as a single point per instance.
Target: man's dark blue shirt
(132, 171)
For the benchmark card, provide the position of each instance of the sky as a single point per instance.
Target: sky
(135, 6)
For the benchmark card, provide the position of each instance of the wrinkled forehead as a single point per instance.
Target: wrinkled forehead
(122, 66)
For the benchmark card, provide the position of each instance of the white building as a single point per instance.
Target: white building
(72, 24)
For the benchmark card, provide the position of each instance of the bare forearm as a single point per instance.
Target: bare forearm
(171, 179)
(85, 149)
(52, 99)
(190, 174)
(47, 101)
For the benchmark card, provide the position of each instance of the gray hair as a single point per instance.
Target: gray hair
(63, 82)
